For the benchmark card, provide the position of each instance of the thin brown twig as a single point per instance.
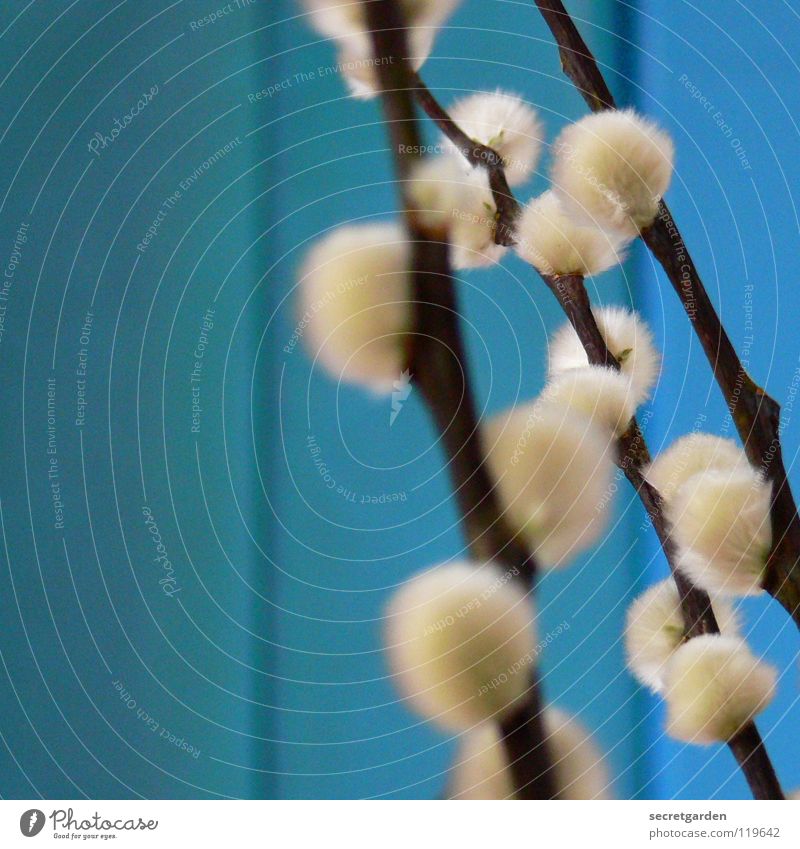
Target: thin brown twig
(633, 456)
(755, 414)
(746, 745)
(438, 362)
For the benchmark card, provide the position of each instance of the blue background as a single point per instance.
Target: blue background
(266, 659)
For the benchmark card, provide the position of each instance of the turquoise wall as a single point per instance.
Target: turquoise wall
(735, 196)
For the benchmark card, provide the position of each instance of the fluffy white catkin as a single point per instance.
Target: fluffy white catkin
(506, 123)
(481, 770)
(555, 243)
(345, 21)
(626, 336)
(461, 643)
(688, 455)
(714, 686)
(654, 630)
(722, 527)
(355, 303)
(596, 392)
(554, 470)
(613, 167)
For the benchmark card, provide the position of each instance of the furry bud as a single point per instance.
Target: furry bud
(355, 303)
(613, 167)
(504, 122)
(600, 394)
(554, 243)
(481, 771)
(722, 527)
(553, 470)
(714, 686)
(461, 643)
(655, 629)
(626, 336)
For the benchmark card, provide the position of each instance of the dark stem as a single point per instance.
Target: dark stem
(755, 414)
(748, 749)
(577, 60)
(698, 615)
(480, 156)
(438, 363)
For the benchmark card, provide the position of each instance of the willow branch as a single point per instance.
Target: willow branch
(438, 363)
(755, 414)
(633, 456)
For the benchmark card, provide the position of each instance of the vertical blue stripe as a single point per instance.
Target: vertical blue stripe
(721, 79)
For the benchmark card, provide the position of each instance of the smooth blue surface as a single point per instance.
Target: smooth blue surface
(267, 656)
(82, 604)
